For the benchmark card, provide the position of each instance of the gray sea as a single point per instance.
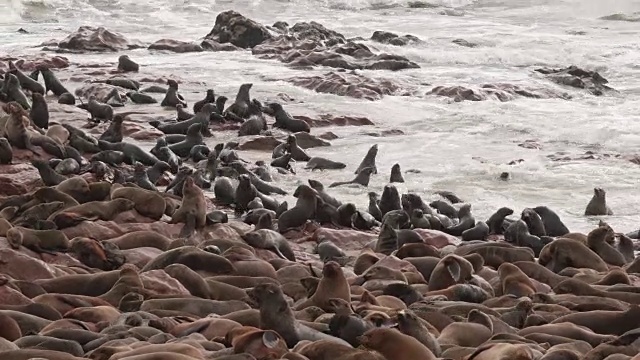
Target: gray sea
(456, 146)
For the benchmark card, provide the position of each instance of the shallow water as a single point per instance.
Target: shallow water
(462, 147)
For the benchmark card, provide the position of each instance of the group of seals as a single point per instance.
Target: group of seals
(128, 269)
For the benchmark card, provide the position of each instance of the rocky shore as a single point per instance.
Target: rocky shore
(136, 224)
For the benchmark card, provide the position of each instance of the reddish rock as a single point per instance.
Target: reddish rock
(395, 263)
(347, 84)
(159, 282)
(23, 267)
(232, 27)
(102, 92)
(175, 46)
(21, 178)
(307, 141)
(346, 239)
(88, 38)
(329, 120)
(260, 143)
(141, 256)
(221, 232)
(212, 45)
(437, 238)
(501, 92)
(10, 296)
(31, 62)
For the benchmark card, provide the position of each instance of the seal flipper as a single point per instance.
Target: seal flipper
(189, 227)
(454, 270)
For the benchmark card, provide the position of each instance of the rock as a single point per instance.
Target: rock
(89, 38)
(31, 62)
(221, 232)
(102, 92)
(346, 239)
(384, 133)
(23, 267)
(348, 84)
(175, 46)
(306, 140)
(465, 43)
(502, 92)
(328, 136)
(212, 45)
(232, 27)
(437, 238)
(146, 134)
(20, 178)
(421, 5)
(161, 283)
(386, 37)
(260, 143)
(329, 120)
(576, 77)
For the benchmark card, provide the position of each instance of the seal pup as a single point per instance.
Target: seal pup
(396, 174)
(51, 82)
(39, 111)
(14, 92)
(141, 98)
(297, 153)
(48, 175)
(256, 123)
(467, 221)
(125, 64)
(6, 152)
(362, 178)
(172, 97)
(210, 97)
(369, 160)
(240, 106)
(113, 134)
(286, 121)
(551, 221)
(67, 99)
(193, 210)
(99, 111)
(598, 204)
(319, 163)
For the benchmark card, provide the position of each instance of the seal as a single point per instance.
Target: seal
(15, 127)
(240, 106)
(94, 210)
(224, 191)
(393, 344)
(125, 64)
(194, 258)
(138, 239)
(193, 210)
(244, 193)
(47, 174)
(444, 208)
(67, 99)
(286, 121)
(40, 241)
(256, 123)
(362, 178)
(297, 153)
(110, 157)
(303, 210)
(518, 233)
(551, 221)
(141, 179)
(369, 160)
(598, 204)
(410, 324)
(51, 82)
(98, 110)
(181, 127)
(390, 200)
(534, 222)
(276, 315)
(26, 82)
(172, 97)
(39, 111)
(14, 92)
(396, 174)
(6, 152)
(478, 232)
(496, 220)
(190, 279)
(193, 138)
(210, 97)
(467, 221)
(268, 239)
(515, 282)
(319, 163)
(182, 114)
(146, 202)
(333, 285)
(113, 134)
(141, 98)
(597, 241)
(562, 253)
(133, 152)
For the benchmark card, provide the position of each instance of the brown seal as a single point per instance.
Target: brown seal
(138, 239)
(328, 350)
(540, 273)
(16, 127)
(97, 210)
(451, 269)
(9, 328)
(504, 351)
(393, 344)
(597, 240)
(91, 252)
(333, 285)
(189, 279)
(262, 344)
(40, 241)
(598, 204)
(148, 203)
(562, 253)
(513, 281)
(303, 210)
(193, 211)
(494, 253)
(194, 258)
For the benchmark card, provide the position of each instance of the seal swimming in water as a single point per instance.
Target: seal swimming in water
(125, 64)
(396, 174)
(362, 178)
(172, 97)
(598, 204)
(369, 160)
(318, 163)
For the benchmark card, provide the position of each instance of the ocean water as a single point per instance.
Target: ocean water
(462, 147)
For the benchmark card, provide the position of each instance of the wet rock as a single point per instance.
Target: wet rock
(421, 5)
(328, 136)
(175, 46)
(384, 133)
(346, 239)
(465, 43)
(437, 238)
(232, 27)
(348, 84)
(89, 38)
(501, 92)
(530, 144)
(330, 120)
(31, 62)
(576, 77)
(102, 92)
(260, 143)
(146, 134)
(306, 140)
(20, 178)
(386, 37)
(212, 45)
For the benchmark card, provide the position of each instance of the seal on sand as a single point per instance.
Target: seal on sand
(396, 174)
(393, 344)
(467, 221)
(240, 106)
(194, 258)
(193, 211)
(562, 253)
(103, 210)
(362, 178)
(478, 232)
(99, 111)
(39, 111)
(303, 210)
(40, 241)
(269, 240)
(286, 121)
(172, 97)
(193, 138)
(369, 160)
(410, 324)
(48, 175)
(12, 89)
(598, 204)
(125, 64)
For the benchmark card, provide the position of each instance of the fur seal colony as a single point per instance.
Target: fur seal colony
(179, 248)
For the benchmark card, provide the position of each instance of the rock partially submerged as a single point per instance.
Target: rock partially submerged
(89, 38)
(576, 77)
(390, 38)
(232, 27)
(175, 46)
(348, 84)
(501, 92)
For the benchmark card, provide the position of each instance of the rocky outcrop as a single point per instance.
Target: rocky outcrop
(30, 63)
(576, 77)
(348, 84)
(175, 46)
(232, 27)
(501, 92)
(386, 37)
(330, 120)
(89, 38)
